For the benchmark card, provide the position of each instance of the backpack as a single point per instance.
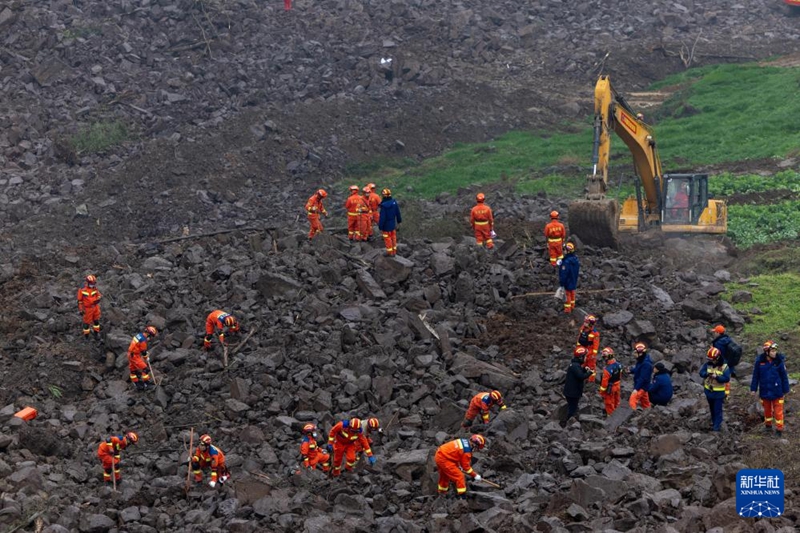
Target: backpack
(733, 353)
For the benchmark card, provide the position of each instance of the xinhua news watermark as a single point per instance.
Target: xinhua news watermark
(759, 493)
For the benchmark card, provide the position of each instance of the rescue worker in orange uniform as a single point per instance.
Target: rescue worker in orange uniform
(454, 459)
(372, 424)
(366, 215)
(313, 208)
(482, 222)
(355, 206)
(481, 404)
(589, 338)
(610, 384)
(313, 457)
(206, 455)
(89, 306)
(374, 202)
(556, 234)
(343, 439)
(110, 455)
(138, 358)
(222, 321)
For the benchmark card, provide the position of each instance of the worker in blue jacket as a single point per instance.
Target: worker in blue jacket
(388, 221)
(715, 373)
(568, 276)
(772, 381)
(660, 392)
(642, 374)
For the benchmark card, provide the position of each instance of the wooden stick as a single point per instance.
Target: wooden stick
(495, 485)
(225, 356)
(113, 474)
(152, 374)
(391, 421)
(550, 293)
(25, 521)
(210, 234)
(259, 474)
(189, 468)
(239, 346)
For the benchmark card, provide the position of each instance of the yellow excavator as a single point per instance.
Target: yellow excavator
(676, 203)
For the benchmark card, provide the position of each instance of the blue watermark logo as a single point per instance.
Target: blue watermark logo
(759, 493)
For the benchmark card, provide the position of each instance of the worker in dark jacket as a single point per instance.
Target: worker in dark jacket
(721, 342)
(568, 276)
(772, 381)
(642, 374)
(715, 374)
(577, 374)
(660, 392)
(388, 221)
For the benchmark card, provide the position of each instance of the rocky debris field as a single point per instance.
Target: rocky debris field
(339, 330)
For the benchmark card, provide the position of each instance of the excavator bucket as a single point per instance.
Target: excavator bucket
(596, 222)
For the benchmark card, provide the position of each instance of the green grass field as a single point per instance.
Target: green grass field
(777, 297)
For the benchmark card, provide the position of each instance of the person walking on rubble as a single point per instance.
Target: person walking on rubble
(589, 338)
(313, 209)
(313, 456)
(453, 460)
(577, 374)
(610, 383)
(355, 206)
(642, 374)
(482, 221)
(568, 276)
(89, 307)
(366, 215)
(388, 221)
(772, 381)
(556, 234)
(715, 373)
(110, 454)
(342, 441)
(138, 359)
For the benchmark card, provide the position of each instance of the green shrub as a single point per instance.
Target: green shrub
(99, 137)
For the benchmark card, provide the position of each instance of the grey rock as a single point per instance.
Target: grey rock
(617, 319)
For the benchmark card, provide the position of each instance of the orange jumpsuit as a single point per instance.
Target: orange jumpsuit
(366, 218)
(213, 458)
(216, 321)
(480, 404)
(89, 305)
(589, 339)
(345, 442)
(313, 457)
(355, 205)
(555, 233)
(109, 454)
(610, 386)
(374, 202)
(314, 207)
(451, 458)
(137, 351)
(482, 222)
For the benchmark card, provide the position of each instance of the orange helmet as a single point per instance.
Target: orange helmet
(480, 197)
(553, 214)
(496, 396)
(713, 354)
(569, 247)
(91, 280)
(366, 189)
(640, 347)
(590, 319)
(309, 428)
(607, 353)
(580, 352)
(479, 441)
(719, 329)
(132, 437)
(205, 439)
(386, 193)
(355, 423)
(371, 186)
(151, 331)
(322, 193)
(374, 423)
(230, 321)
(354, 188)
(768, 345)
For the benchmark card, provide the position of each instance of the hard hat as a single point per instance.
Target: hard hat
(354, 187)
(230, 321)
(720, 329)
(479, 441)
(496, 396)
(366, 189)
(640, 347)
(322, 193)
(205, 439)
(91, 280)
(713, 354)
(480, 197)
(371, 186)
(553, 214)
(580, 351)
(386, 193)
(132, 437)
(355, 423)
(569, 247)
(768, 345)
(151, 331)
(590, 319)
(373, 423)
(309, 428)
(607, 352)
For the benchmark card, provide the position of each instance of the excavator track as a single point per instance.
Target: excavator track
(595, 222)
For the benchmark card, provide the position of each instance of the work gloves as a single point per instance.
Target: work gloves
(503, 407)
(477, 477)
(371, 460)
(212, 484)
